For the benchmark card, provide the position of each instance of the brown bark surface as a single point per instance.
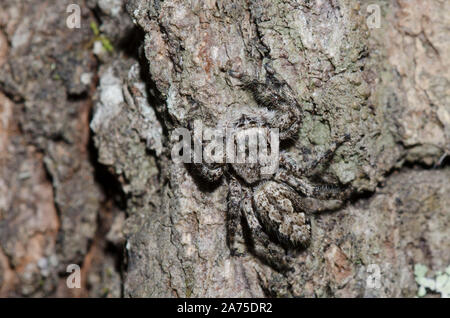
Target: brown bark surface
(86, 119)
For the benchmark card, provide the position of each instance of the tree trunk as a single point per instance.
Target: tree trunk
(141, 225)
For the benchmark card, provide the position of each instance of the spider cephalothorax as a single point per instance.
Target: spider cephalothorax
(275, 206)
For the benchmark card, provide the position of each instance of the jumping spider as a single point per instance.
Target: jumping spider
(275, 207)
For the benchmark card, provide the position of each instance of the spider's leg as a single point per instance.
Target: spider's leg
(323, 192)
(210, 172)
(264, 248)
(234, 213)
(276, 95)
(295, 175)
(279, 96)
(316, 205)
(291, 165)
(327, 155)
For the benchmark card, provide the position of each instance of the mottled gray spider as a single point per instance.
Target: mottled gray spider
(275, 207)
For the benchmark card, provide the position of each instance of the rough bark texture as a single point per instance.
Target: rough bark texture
(51, 203)
(64, 201)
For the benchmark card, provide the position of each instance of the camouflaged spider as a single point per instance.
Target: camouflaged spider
(275, 207)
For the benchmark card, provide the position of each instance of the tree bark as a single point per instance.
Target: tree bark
(141, 225)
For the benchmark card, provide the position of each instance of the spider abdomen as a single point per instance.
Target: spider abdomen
(281, 213)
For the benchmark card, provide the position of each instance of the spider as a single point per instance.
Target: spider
(276, 207)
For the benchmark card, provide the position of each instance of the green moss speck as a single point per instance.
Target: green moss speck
(106, 43)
